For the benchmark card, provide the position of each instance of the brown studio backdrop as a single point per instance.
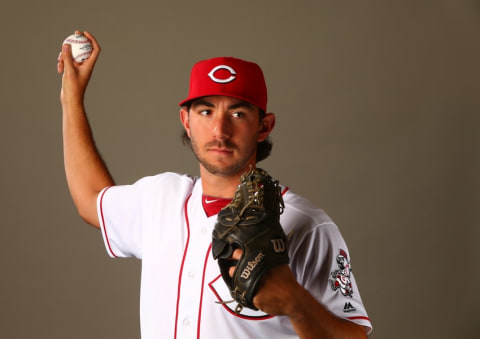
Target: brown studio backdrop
(377, 122)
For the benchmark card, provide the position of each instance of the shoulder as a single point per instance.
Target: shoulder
(165, 180)
(308, 227)
(314, 240)
(154, 187)
(302, 215)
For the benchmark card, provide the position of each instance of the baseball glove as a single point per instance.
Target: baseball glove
(250, 222)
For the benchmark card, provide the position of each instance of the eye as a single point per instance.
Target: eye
(238, 114)
(204, 112)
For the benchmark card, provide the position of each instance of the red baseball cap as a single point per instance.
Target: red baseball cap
(230, 77)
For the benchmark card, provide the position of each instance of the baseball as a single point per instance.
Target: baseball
(81, 47)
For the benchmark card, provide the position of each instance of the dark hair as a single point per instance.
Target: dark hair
(264, 148)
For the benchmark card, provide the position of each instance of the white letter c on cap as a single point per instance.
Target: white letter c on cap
(222, 81)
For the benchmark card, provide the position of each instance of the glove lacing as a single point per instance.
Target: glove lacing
(255, 196)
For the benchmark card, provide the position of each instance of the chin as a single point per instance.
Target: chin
(224, 169)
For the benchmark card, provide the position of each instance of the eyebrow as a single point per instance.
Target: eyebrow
(241, 104)
(202, 102)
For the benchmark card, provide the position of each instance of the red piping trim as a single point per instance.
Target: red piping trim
(359, 317)
(103, 222)
(201, 294)
(285, 190)
(264, 317)
(181, 266)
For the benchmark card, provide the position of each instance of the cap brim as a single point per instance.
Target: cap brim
(189, 100)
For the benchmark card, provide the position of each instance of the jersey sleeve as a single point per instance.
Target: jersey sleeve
(322, 265)
(118, 209)
(127, 212)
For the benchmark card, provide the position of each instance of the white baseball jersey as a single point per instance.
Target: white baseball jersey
(161, 220)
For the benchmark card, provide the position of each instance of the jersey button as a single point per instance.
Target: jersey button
(186, 322)
(204, 230)
(191, 274)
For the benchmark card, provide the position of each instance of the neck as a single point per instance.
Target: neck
(220, 186)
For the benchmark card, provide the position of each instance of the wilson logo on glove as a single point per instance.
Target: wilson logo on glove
(278, 245)
(251, 265)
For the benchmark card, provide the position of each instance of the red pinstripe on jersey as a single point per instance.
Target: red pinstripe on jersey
(201, 295)
(183, 261)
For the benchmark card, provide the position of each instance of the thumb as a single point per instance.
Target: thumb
(67, 56)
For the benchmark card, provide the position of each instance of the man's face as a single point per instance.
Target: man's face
(224, 133)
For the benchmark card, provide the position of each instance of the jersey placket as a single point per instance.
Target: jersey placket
(192, 276)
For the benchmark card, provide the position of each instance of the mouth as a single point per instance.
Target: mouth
(220, 150)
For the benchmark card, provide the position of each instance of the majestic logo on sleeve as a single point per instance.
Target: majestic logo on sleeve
(348, 307)
(341, 277)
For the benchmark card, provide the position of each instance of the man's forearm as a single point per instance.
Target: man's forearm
(312, 320)
(86, 172)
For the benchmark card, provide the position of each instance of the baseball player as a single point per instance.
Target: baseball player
(167, 220)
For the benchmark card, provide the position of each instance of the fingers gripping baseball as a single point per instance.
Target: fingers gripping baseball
(64, 56)
(76, 75)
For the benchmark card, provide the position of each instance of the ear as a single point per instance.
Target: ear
(266, 126)
(185, 121)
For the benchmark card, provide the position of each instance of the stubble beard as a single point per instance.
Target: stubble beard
(233, 169)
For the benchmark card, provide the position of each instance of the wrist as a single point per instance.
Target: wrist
(71, 95)
(71, 104)
(298, 303)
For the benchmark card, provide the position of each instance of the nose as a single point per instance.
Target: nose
(222, 127)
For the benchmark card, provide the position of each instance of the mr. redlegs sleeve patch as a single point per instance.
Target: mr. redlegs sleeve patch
(341, 277)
